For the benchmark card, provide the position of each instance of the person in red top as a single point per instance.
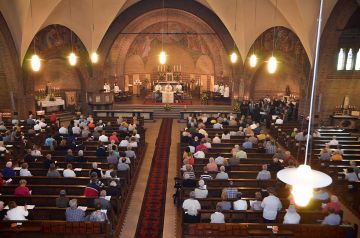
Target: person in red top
(2, 181)
(53, 118)
(333, 204)
(202, 146)
(114, 137)
(22, 190)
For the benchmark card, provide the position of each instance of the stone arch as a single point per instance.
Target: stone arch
(11, 90)
(205, 65)
(134, 64)
(53, 43)
(293, 67)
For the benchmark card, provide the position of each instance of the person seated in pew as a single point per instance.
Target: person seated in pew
(76, 130)
(108, 172)
(248, 131)
(255, 205)
(101, 150)
(63, 130)
(22, 190)
(191, 203)
(50, 142)
(114, 189)
(123, 164)
(8, 171)
(98, 215)
(124, 142)
(287, 158)
(320, 195)
(200, 154)
(235, 150)
(114, 137)
(247, 144)
(336, 156)
(105, 204)
(73, 213)
(108, 127)
(291, 216)
(279, 121)
(36, 152)
(241, 154)
(62, 201)
(52, 172)
(187, 182)
(189, 171)
(217, 217)
(62, 145)
(222, 174)
(69, 157)
(85, 132)
(112, 159)
(325, 153)
(275, 165)
(94, 187)
(253, 140)
(216, 139)
(80, 158)
(219, 160)
(202, 146)
(261, 136)
(103, 138)
(264, 174)
(350, 175)
(271, 205)
(224, 204)
(212, 166)
(96, 134)
(201, 191)
(191, 216)
(241, 131)
(16, 213)
(240, 204)
(132, 142)
(333, 204)
(205, 175)
(230, 191)
(225, 135)
(332, 219)
(271, 147)
(69, 172)
(2, 181)
(96, 170)
(356, 169)
(333, 141)
(24, 171)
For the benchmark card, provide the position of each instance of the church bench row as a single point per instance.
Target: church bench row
(249, 160)
(234, 230)
(244, 174)
(239, 182)
(249, 216)
(185, 114)
(55, 229)
(114, 114)
(248, 167)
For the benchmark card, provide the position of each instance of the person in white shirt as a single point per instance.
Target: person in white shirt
(218, 216)
(333, 141)
(178, 87)
(216, 88)
(225, 136)
(191, 203)
(207, 142)
(69, 172)
(16, 213)
(199, 154)
(240, 204)
(76, 129)
(203, 132)
(133, 142)
(158, 87)
(279, 121)
(216, 139)
(104, 137)
(63, 130)
(201, 191)
(217, 125)
(37, 127)
(264, 174)
(271, 205)
(204, 118)
(291, 216)
(253, 125)
(24, 170)
(42, 123)
(116, 88)
(124, 142)
(226, 91)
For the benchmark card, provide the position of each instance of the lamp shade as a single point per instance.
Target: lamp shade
(162, 57)
(304, 176)
(233, 58)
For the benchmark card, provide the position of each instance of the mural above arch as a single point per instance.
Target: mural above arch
(293, 65)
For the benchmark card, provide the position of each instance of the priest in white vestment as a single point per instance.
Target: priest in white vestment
(178, 87)
(116, 88)
(168, 88)
(226, 91)
(216, 88)
(222, 89)
(158, 87)
(107, 88)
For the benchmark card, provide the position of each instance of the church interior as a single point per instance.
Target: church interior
(179, 118)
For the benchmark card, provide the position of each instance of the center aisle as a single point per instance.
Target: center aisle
(150, 223)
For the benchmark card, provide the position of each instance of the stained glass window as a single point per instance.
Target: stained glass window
(357, 64)
(341, 60)
(349, 60)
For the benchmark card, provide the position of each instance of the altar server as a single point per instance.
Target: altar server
(168, 88)
(226, 91)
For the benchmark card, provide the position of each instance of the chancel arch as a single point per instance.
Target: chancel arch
(293, 67)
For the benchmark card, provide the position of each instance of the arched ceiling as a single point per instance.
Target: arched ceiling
(297, 15)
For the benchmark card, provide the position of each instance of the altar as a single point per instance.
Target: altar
(51, 106)
(167, 97)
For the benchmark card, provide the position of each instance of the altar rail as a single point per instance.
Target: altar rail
(146, 114)
(210, 113)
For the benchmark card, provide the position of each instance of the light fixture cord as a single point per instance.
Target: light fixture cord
(162, 32)
(235, 24)
(315, 74)
(93, 26)
(272, 54)
(255, 25)
(32, 25)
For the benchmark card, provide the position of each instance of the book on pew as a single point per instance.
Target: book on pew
(82, 208)
(60, 169)
(17, 168)
(77, 169)
(108, 198)
(29, 207)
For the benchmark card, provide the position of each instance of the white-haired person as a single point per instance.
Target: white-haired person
(16, 213)
(73, 213)
(201, 191)
(291, 216)
(222, 174)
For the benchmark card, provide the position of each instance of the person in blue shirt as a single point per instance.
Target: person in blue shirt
(247, 144)
(8, 170)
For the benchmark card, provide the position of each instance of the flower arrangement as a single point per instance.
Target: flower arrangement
(167, 107)
(204, 98)
(236, 106)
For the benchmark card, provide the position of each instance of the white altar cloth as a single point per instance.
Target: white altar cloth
(167, 97)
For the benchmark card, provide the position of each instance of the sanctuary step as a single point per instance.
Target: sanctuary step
(174, 112)
(62, 116)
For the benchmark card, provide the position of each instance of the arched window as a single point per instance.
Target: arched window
(357, 64)
(349, 60)
(341, 60)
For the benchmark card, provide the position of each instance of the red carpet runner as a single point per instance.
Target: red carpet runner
(150, 223)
